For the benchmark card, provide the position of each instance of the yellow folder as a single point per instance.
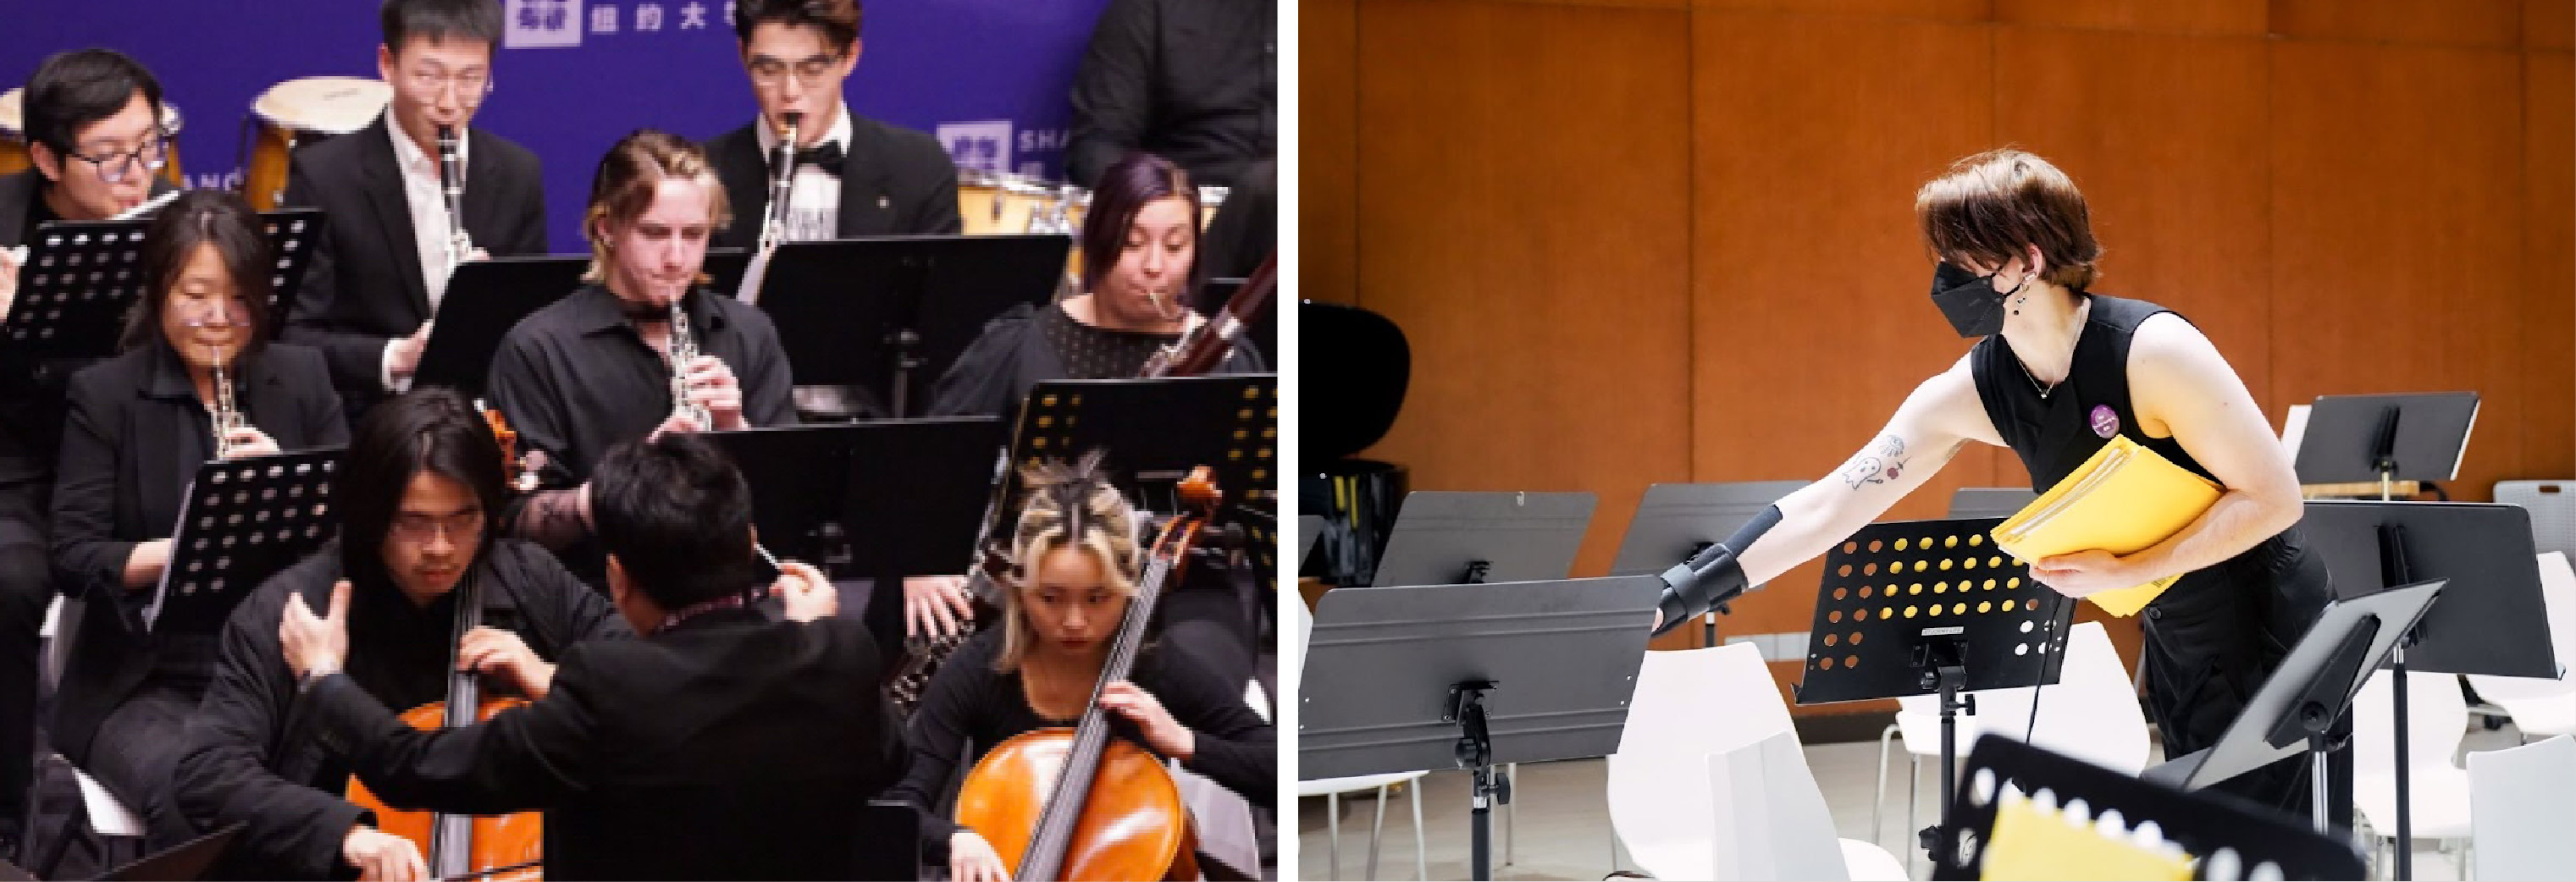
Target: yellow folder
(2124, 500)
(2029, 842)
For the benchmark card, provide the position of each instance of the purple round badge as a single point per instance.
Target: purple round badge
(2105, 422)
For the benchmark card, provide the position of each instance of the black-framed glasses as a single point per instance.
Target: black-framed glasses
(113, 167)
(773, 71)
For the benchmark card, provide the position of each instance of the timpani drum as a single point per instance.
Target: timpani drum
(14, 138)
(305, 111)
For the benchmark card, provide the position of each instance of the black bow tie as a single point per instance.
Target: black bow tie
(826, 158)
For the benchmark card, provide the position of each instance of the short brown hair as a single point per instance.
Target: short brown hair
(223, 220)
(1987, 207)
(837, 19)
(623, 188)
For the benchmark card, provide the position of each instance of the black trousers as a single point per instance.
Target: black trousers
(25, 589)
(2211, 641)
(136, 755)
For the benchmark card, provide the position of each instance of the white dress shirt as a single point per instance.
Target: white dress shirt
(421, 192)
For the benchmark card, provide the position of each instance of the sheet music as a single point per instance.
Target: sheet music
(2295, 429)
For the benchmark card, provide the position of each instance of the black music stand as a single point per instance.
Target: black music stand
(2298, 704)
(81, 278)
(1675, 522)
(486, 298)
(1444, 537)
(245, 520)
(1404, 678)
(2490, 620)
(2354, 439)
(1155, 432)
(890, 315)
(185, 861)
(2227, 838)
(1931, 608)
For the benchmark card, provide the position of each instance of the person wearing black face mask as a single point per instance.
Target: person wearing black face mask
(2056, 372)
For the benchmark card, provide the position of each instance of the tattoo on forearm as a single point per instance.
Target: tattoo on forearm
(552, 518)
(1884, 461)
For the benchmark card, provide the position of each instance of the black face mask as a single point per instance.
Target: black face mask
(1970, 301)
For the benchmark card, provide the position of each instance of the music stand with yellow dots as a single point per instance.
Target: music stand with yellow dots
(1931, 608)
(2028, 813)
(1156, 431)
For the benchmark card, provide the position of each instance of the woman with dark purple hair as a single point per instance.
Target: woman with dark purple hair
(1140, 271)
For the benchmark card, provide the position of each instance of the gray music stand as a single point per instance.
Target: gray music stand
(1970, 503)
(1475, 676)
(2302, 698)
(1675, 522)
(1449, 537)
(1309, 529)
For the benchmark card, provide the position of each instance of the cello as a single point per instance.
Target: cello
(1076, 804)
(503, 848)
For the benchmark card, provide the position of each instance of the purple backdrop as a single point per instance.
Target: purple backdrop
(989, 77)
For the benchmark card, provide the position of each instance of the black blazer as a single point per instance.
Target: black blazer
(727, 747)
(31, 395)
(252, 756)
(135, 438)
(364, 286)
(894, 182)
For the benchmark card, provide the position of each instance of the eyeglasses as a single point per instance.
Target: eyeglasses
(414, 527)
(113, 167)
(474, 86)
(771, 71)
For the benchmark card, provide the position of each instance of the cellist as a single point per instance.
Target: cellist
(1077, 560)
(718, 744)
(417, 490)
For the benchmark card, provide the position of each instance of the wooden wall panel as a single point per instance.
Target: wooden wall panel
(2549, 265)
(1327, 150)
(2549, 24)
(2397, 247)
(1810, 297)
(2239, 17)
(1525, 219)
(1940, 10)
(2418, 22)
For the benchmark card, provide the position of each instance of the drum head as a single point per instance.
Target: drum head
(330, 105)
(13, 114)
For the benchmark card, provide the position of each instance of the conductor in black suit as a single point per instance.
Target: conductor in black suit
(721, 745)
(382, 267)
(854, 176)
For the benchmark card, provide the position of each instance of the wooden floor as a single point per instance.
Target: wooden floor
(1564, 827)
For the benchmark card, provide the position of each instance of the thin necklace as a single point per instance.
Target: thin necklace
(2082, 313)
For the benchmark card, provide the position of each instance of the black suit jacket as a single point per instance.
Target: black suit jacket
(727, 747)
(134, 440)
(894, 182)
(364, 286)
(31, 394)
(252, 757)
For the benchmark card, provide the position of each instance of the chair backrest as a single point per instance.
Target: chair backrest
(1770, 819)
(2437, 720)
(2519, 802)
(2553, 511)
(2092, 712)
(1688, 704)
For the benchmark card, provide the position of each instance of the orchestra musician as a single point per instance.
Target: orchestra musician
(140, 425)
(721, 744)
(1140, 265)
(854, 176)
(379, 271)
(419, 491)
(595, 368)
(1192, 80)
(98, 143)
(1077, 560)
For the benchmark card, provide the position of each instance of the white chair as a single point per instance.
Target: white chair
(107, 815)
(1688, 706)
(2519, 801)
(2090, 713)
(1333, 789)
(2436, 721)
(1770, 820)
(2541, 708)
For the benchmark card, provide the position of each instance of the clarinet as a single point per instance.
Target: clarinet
(451, 184)
(227, 417)
(774, 226)
(684, 349)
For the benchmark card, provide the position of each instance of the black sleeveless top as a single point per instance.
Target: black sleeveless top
(2055, 434)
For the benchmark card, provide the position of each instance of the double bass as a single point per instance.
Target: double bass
(503, 848)
(1077, 804)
